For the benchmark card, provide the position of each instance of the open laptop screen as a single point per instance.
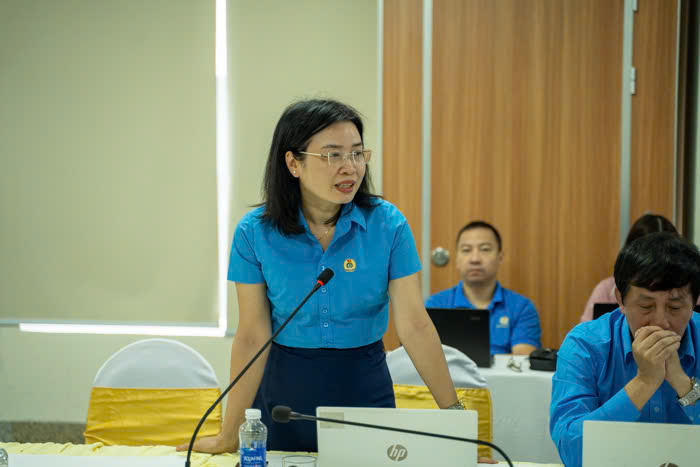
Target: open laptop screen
(599, 309)
(466, 330)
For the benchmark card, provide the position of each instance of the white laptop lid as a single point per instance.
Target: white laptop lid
(350, 446)
(621, 444)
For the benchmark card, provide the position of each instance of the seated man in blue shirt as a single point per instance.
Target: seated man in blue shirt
(514, 324)
(638, 363)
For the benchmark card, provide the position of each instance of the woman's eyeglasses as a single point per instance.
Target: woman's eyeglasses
(337, 159)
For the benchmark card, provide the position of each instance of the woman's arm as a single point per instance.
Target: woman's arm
(418, 335)
(601, 294)
(254, 329)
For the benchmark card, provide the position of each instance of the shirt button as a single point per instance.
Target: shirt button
(324, 311)
(656, 409)
(322, 268)
(323, 289)
(325, 325)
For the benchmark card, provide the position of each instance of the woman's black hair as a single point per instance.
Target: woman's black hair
(298, 124)
(647, 224)
(658, 261)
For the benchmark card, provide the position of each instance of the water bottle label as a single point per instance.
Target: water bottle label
(253, 457)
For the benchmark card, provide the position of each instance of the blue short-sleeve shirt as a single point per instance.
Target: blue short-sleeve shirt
(594, 364)
(370, 247)
(513, 319)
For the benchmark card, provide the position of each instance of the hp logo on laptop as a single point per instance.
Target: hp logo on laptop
(396, 452)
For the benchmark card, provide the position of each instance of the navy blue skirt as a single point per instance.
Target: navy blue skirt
(304, 379)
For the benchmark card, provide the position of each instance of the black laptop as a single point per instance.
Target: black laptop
(599, 309)
(466, 330)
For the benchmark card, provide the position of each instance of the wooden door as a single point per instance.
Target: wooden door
(526, 134)
(654, 111)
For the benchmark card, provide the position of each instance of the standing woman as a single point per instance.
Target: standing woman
(318, 212)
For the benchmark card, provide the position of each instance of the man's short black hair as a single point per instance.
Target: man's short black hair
(658, 261)
(480, 225)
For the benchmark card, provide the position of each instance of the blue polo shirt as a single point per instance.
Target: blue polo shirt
(594, 364)
(370, 247)
(513, 319)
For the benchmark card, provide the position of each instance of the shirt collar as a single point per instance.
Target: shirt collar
(462, 299)
(348, 213)
(685, 352)
(352, 213)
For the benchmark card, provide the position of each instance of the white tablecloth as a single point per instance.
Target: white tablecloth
(521, 410)
(46, 455)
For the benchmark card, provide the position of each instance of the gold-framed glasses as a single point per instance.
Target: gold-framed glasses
(337, 158)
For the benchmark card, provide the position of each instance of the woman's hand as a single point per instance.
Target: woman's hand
(212, 445)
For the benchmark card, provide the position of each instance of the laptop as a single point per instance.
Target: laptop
(466, 330)
(351, 446)
(621, 444)
(599, 309)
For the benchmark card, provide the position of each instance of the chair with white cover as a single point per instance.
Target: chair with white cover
(411, 392)
(152, 392)
(463, 370)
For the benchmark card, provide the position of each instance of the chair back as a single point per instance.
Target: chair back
(156, 363)
(463, 370)
(152, 392)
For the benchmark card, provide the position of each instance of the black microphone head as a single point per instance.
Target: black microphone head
(281, 413)
(325, 276)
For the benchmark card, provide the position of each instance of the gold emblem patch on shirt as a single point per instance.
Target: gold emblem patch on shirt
(503, 322)
(349, 265)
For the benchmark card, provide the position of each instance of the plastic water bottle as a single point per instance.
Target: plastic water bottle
(3, 458)
(253, 439)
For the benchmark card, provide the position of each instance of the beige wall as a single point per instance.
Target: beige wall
(279, 51)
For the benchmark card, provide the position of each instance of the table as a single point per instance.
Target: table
(197, 459)
(521, 410)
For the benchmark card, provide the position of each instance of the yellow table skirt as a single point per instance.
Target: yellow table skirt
(138, 417)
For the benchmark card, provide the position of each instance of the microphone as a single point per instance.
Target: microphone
(283, 414)
(321, 280)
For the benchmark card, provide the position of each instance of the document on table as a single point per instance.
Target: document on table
(40, 460)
